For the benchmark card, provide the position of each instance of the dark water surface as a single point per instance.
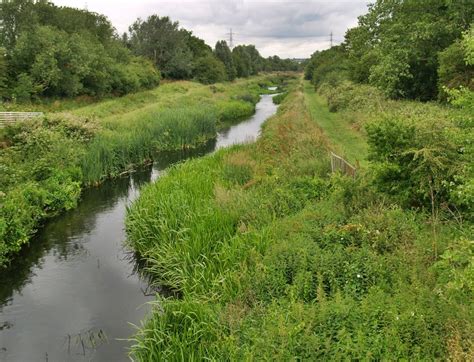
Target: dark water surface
(73, 293)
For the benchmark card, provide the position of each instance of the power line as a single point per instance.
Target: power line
(231, 38)
(331, 39)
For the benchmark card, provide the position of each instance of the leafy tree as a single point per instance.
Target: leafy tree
(396, 44)
(242, 61)
(160, 40)
(247, 60)
(59, 51)
(3, 74)
(329, 66)
(209, 69)
(224, 54)
(198, 47)
(275, 63)
(453, 71)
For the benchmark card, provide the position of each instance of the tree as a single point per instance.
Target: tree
(209, 69)
(242, 61)
(453, 71)
(224, 54)
(3, 74)
(396, 44)
(160, 40)
(247, 60)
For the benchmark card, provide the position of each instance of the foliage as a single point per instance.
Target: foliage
(49, 56)
(279, 97)
(209, 69)
(44, 163)
(224, 54)
(275, 63)
(408, 49)
(275, 260)
(160, 40)
(454, 71)
(247, 60)
(3, 73)
(418, 162)
(327, 67)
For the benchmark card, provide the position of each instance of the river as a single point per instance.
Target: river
(73, 293)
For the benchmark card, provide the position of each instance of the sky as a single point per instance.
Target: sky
(289, 29)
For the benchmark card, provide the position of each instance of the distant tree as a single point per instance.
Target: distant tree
(198, 47)
(3, 74)
(209, 69)
(242, 61)
(160, 40)
(224, 54)
(247, 60)
(275, 63)
(330, 66)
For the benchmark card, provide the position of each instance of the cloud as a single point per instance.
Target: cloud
(283, 27)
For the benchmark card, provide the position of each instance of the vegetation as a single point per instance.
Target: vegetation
(50, 56)
(45, 163)
(224, 54)
(274, 258)
(407, 49)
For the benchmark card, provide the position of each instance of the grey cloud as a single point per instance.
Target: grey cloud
(286, 28)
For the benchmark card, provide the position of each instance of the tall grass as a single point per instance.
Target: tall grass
(119, 149)
(274, 259)
(45, 164)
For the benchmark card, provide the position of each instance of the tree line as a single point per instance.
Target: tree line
(52, 51)
(407, 48)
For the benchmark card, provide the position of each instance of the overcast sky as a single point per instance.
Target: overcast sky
(293, 29)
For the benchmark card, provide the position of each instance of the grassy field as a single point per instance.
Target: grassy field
(274, 258)
(44, 164)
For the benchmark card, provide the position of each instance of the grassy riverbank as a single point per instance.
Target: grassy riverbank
(273, 258)
(46, 163)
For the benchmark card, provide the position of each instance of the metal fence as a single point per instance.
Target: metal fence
(7, 118)
(340, 164)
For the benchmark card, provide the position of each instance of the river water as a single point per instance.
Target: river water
(74, 293)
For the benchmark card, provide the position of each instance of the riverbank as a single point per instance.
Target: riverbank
(47, 163)
(274, 258)
(80, 259)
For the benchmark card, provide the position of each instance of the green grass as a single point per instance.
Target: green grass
(45, 164)
(345, 140)
(273, 258)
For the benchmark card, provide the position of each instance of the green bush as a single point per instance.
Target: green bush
(417, 162)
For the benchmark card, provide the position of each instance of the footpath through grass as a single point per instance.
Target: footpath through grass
(274, 258)
(344, 139)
